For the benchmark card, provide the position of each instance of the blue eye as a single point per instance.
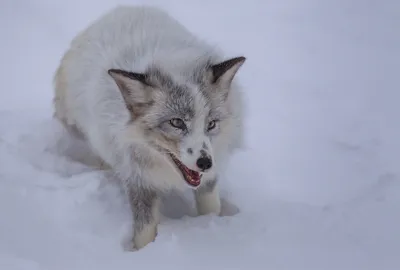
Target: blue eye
(212, 124)
(177, 123)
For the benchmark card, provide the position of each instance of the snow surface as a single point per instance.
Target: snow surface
(318, 186)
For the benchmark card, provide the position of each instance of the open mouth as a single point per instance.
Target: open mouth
(190, 176)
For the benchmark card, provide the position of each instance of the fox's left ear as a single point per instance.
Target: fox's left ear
(135, 90)
(224, 72)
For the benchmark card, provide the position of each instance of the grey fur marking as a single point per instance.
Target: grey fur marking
(142, 202)
(203, 153)
(156, 77)
(190, 151)
(179, 102)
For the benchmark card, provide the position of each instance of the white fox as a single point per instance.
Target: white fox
(156, 104)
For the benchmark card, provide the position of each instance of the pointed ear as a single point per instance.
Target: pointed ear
(224, 72)
(134, 88)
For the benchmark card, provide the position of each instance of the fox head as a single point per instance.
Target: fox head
(181, 116)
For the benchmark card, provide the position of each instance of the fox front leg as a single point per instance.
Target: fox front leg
(145, 209)
(207, 198)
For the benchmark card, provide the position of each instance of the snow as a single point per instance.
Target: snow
(318, 186)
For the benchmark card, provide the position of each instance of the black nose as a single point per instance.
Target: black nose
(204, 163)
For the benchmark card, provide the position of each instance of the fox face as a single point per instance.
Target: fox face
(180, 116)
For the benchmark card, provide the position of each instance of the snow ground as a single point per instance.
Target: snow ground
(317, 188)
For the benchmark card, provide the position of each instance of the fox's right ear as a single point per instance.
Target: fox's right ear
(224, 72)
(133, 87)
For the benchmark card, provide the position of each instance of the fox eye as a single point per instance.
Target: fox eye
(212, 124)
(177, 123)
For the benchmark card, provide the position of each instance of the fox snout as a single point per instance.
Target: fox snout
(204, 162)
(198, 156)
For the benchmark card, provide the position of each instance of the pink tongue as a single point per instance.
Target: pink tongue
(195, 175)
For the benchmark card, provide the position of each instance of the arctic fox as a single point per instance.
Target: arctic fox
(156, 104)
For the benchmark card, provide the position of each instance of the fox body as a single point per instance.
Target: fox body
(156, 104)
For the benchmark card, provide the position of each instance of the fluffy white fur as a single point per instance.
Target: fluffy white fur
(88, 101)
